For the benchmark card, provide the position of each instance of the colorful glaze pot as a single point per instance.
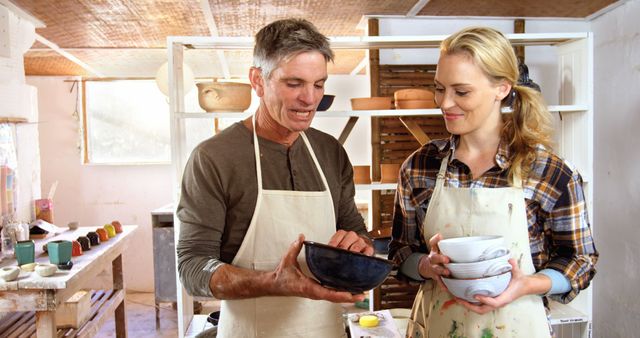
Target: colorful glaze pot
(25, 252)
(76, 249)
(94, 238)
(59, 251)
(117, 225)
(85, 242)
(103, 234)
(111, 230)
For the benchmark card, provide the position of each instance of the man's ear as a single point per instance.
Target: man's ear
(504, 88)
(257, 82)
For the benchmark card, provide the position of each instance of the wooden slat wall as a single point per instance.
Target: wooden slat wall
(393, 141)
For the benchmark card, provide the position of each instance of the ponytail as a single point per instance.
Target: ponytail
(527, 127)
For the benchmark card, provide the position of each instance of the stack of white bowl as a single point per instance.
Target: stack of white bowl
(479, 265)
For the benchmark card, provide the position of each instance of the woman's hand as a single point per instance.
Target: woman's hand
(432, 265)
(520, 285)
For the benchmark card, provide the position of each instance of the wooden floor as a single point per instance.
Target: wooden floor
(141, 320)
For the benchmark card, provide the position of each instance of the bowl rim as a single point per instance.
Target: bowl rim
(478, 263)
(313, 243)
(467, 239)
(481, 279)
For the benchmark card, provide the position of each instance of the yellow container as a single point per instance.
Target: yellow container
(111, 230)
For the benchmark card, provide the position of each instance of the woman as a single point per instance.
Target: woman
(496, 175)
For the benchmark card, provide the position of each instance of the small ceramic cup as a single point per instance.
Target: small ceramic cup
(94, 238)
(25, 252)
(117, 225)
(73, 225)
(28, 267)
(76, 249)
(111, 230)
(85, 242)
(59, 251)
(45, 269)
(9, 273)
(104, 236)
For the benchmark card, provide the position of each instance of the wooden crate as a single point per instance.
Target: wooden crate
(75, 311)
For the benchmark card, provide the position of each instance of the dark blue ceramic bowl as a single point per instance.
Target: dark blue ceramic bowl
(345, 270)
(326, 102)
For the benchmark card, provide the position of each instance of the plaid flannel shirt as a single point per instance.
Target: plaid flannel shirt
(559, 231)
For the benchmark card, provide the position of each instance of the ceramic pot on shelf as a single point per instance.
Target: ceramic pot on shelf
(224, 96)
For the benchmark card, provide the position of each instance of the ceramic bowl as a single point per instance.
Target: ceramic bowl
(413, 94)
(480, 269)
(9, 273)
(326, 102)
(28, 267)
(473, 249)
(224, 96)
(467, 289)
(415, 104)
(45, 269)
(371, 103)
(345, 270)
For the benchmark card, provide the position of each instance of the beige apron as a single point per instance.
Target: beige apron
(457, 212)
(279, 216)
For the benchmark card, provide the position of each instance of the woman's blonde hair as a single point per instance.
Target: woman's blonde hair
(529, 125)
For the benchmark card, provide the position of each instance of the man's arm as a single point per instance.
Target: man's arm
(230, 282)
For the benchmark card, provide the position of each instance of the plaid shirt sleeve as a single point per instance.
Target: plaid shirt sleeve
(572, 250)
(417, 180)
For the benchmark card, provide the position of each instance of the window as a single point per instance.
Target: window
(127, 122)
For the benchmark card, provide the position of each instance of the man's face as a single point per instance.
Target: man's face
(294, 90)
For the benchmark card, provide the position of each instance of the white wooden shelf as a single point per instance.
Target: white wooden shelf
(565, 314)
(374, 42)
(362, 113)
(377, 186)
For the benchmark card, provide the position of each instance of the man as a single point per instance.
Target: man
(260, 184)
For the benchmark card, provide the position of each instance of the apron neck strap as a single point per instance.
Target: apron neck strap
(256, 149)
(442, 173)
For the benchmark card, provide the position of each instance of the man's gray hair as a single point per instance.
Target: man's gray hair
(284, 39)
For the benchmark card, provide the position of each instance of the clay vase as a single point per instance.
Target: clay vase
(224, 96)
(85, 242)
(117, 225)
(111, 230)
(104, 236)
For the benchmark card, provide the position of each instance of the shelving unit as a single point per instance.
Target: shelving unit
(573, 121)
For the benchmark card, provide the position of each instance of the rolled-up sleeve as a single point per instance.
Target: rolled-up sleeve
(201, 212)
(573, 252)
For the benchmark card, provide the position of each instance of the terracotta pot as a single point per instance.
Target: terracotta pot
(389, 173)
(224, 96)
(415, 104)
(371, 103)
(361, 174)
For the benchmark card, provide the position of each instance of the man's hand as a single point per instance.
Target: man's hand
(351, 241)
(288, 280)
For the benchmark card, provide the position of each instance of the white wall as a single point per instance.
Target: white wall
(97, 194)
(617, 164)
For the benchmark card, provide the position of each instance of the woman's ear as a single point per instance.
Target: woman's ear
(504, 88)
(257, 82)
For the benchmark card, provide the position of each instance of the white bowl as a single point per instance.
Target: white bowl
(469, 288)
(9, 273)
(46, 269)
(473, 249)
(488, 268)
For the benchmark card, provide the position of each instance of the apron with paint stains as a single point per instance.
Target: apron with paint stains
(279, 216)
(458, 212)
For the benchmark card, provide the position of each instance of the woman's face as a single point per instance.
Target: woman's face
(468, 99)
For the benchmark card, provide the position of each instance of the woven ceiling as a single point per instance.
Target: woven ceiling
(126, 38)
